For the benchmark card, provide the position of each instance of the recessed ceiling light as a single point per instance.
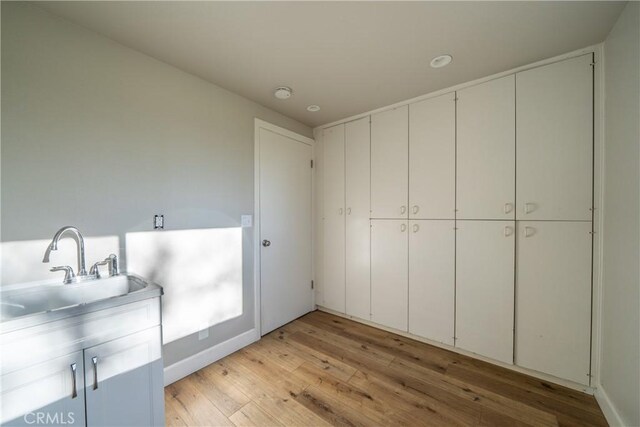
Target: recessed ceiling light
(313, 108)
(283, 92)
(441, 60)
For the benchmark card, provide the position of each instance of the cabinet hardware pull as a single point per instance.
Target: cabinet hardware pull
(529, 231)
(348, 211)
(74, 388)
(416, 208)
(403, 228)
(416, 227)
(340, 211)
(508, 208)
(94, 360)
(403, 210)
(266, 243)
(508, 231)
(529, 207)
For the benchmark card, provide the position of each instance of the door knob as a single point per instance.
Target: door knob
(266, 243)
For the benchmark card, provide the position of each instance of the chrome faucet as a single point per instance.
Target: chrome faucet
(111, 261)
(70, 277)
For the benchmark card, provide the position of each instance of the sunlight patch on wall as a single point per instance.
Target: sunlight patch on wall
(200, 271)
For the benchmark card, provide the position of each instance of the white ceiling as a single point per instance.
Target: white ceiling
(347, 57)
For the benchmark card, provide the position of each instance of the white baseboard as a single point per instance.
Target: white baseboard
(181, 369)
(608, 409)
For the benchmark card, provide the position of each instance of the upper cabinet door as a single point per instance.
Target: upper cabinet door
(390, 163)
(333, 287)
(486, 150)
(358, 172)
(555, 141)
(432, 161)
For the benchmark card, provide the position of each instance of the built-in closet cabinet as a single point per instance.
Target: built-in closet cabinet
(357, 179)
(432, 158)
(432, 279)
(553, 309)
(389, 273)
(486, 150)
(485, 252)
(333, 289)
(390, 163)
(554, 107)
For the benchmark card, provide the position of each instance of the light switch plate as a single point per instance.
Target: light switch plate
(246, 221)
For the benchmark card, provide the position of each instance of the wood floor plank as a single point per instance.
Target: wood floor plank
(250, 415)
(325, 370)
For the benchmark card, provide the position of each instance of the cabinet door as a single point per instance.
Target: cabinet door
(390, 163)
(431, 279)
(486, 150)
(389, 273)
(432, 158)
(555, 141)
(333, 287)
(485, 288)
(47, 393)
(553, 309)
(358, 248)
(124, 381)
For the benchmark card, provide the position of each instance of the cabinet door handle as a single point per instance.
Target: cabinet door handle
(529, 231)
(416, 208)
(348, 211)
(340, 211)
(94, 360)
(508, 231)
(416, 227)
(508, 208)
(403, 228)
(403, 210)
(529, 207)
(74, 387)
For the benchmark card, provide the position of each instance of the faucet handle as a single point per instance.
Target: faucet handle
(68, 272)
(111, 261)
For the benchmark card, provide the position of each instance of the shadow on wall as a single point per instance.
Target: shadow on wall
(200, 271)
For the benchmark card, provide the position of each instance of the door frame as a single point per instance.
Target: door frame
(257, 270)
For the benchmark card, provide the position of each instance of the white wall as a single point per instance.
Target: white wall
(102, 137)
(620, 352)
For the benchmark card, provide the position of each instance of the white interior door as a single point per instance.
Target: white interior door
(555, 141)
(485, 288)
(486, 150)
(390, 163)
(431, 279)
(358, 245)
(333, 286)
(553, 308)
(285, 227)
(432, 163)
(389, 273)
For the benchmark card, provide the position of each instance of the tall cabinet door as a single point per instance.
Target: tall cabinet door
(390, 163)
(432, 161)
(333, 288)
(554, 298)
(124, 381)
(389, 273)
(431, 279)
(555, 141)
(54, 387)
(486, 150)
(485, 288)
(358, 253)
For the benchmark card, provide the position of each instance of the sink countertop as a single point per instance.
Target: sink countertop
(151, 290)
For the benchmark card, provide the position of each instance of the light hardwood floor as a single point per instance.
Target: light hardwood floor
(325, 370)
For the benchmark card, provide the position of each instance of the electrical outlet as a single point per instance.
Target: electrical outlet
(158, 222)
(246, 221)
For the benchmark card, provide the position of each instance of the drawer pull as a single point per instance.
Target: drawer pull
(74, 387)
(94, 360)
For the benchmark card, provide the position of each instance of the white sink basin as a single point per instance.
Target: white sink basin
(23, 300)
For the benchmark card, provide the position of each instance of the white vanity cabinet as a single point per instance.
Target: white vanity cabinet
(49, 374)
